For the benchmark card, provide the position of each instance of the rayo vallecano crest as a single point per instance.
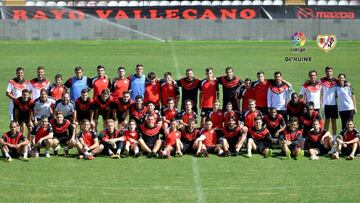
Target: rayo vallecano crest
(326, 42)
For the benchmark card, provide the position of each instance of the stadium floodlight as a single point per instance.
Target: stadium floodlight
(343, 3)
(123, 3)
(174, 3)
(30, 3)
(195, 3)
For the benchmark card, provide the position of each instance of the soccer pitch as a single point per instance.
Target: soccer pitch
(185, 179)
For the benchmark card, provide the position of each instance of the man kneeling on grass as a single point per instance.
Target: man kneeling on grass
(347, 142)
(13, 143)
(259, 140)
(88, 144)
(111, 139)
(292, 141)
(207, 141)
(318, 141)
(172, 140)
(41, 135)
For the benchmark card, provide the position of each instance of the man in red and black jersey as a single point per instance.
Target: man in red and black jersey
(295, 107)
(14, 143)
(169, 112)
(169, 89)
(308, 117)
(101, 106)
(131, 137)
(318, 141)
(216, 116)
(83, 107)
(121, 107)
(100, 82)
(88, 143)
(138, 110)
(207, 141)
(292, 141)
(151, 136)
(189, 133)
(189, 89)
(259, 139)
(64, 133)
(275, 123)
(41, 135)
(172, 143)
(347, 142)
(230, 85)
(24, 110)
(261, 87)
(120, 84)
(187, 114)
(57, 89)
(111, 139)
(251, 114)
(209, 92)
(244, 94)
(152, 90)
(151, 111)
(230, 112)
(233, 137)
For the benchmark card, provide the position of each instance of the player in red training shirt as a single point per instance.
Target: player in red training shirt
(216, 116)
(24, 111)
(292, 141)
(251, 114)
(260, 88)
(100, 82)
(307, 118)
(318, 141)
(169, 112)
(83, 108)
(259, 139)
(152, 90)
(187, 114)
(207, 141)
(347, 142)
(169, 89)
(41, 135)
(131, 137)
(64, 133)
(151, 111)
(209, 92)
(120, 84)
(111, 139)
(88, 143)
(189, 89)
(245, 93)
(230, 85)
(101, 106)
(57, 89)
(138, 110)
(275, 123)
(13, 143)
(120, 109)
(151, 136)
(295, 107)
(230, 112)
(172, 141)
(233, 137)
(189, 134)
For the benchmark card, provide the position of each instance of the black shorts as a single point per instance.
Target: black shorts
(188, 147)
(120, 116)
(347, 151)
(24, 117)
(331, 112)
(150, 141)
(108, 147)
(260, 145)
(82, 116)
(210, 149)
(317, 146)
(13, 152)
(232, 142)
(63, 138)
(205, 112)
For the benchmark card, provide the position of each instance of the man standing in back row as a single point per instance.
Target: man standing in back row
(137, 82)
(230, 84)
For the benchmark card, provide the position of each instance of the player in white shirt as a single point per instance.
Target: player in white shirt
(346, 100)
(38, 83)
(15, 88)
(328, 99)
(311, 90)
(279, 93)
(43, 106)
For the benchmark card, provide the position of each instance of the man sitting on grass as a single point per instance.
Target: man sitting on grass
(131, 137)
(292, 141)
(151, 135)
(172, 140)
(259, 139)
(318, 141)
(13, 143)
(41, 135)
(347, 142)
(207, 141)
(64, 133)
(111, 139)
(234, 137)
(88, 145)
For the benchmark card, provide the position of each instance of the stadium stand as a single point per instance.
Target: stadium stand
(132, 3)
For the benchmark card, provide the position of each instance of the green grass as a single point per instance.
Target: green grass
(186, 179)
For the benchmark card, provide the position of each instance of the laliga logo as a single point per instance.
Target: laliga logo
(298, 40)
(326, 42)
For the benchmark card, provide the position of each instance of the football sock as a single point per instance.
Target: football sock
(136, 150)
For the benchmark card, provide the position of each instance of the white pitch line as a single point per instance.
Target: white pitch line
(195, 169)
(174, 57)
